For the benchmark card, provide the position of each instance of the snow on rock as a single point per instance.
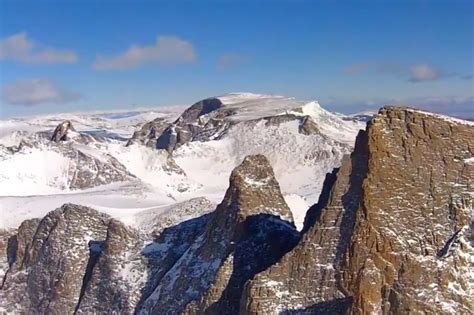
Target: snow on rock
(302, 141)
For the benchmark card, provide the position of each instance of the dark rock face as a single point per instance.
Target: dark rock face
(51, 260)
(114, 273)
(247, 233)
(201, 118)
(60, 133)
(377, 242)
(149, 133)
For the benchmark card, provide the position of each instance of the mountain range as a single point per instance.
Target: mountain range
(238, 204)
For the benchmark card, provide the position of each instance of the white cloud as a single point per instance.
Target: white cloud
(230, 60)
(356, 68)
(166, 50)
(19, 47)
(35, 91)
(423, 72)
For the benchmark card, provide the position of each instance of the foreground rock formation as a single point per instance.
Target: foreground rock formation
(77, 260)
(392, 233)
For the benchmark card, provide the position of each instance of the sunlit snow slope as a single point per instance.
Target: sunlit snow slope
(302, 141)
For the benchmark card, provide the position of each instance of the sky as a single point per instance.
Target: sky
(60, 56)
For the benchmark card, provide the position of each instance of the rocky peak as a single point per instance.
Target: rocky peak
(211, 119)
(378, 241)
(60, 132)
(417, 200)
(254, 190)
(244, 235)
(201, 117)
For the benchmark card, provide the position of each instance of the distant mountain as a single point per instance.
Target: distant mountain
(169, 159)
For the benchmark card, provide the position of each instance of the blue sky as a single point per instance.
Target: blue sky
(83, 55)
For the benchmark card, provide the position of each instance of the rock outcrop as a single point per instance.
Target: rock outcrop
(148, 134)
(392, 235)
(250, 230)
(411, 249)
(60, 133)
(77, 260)
(50, 259)
(201, 118)
(80, 160)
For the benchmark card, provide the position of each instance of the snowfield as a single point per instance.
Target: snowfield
(35, 180)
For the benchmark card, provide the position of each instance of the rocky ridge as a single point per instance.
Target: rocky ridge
(199, 265)
(212, 118)
(392, 233)
(84, 166)
(379, 242)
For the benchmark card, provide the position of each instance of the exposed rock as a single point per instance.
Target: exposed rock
(117, 274)
(306, 276)
(373, 244)
(392, 233)
(308, 126)
(211, 119)
(246, 234)
(51, 261)
(417, 201)
(148, 134)
(60, 133)
(88, 171)
(202, 117)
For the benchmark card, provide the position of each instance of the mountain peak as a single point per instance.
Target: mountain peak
(254, 189)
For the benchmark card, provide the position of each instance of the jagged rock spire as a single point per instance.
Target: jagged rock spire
(250, 230)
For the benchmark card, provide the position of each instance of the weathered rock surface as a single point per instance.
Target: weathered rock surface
(392, 236)
(49, 260)
(76, 260)
(249, 230)
(201, 118)
(411, 249)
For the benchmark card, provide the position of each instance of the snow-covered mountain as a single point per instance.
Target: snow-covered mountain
(155, 158)
(391, 233)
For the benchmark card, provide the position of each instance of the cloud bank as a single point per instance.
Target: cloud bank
(166, 50)
(34, 92)
(423, 72)
(356, 68)
(19, 47)
(419, 72)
